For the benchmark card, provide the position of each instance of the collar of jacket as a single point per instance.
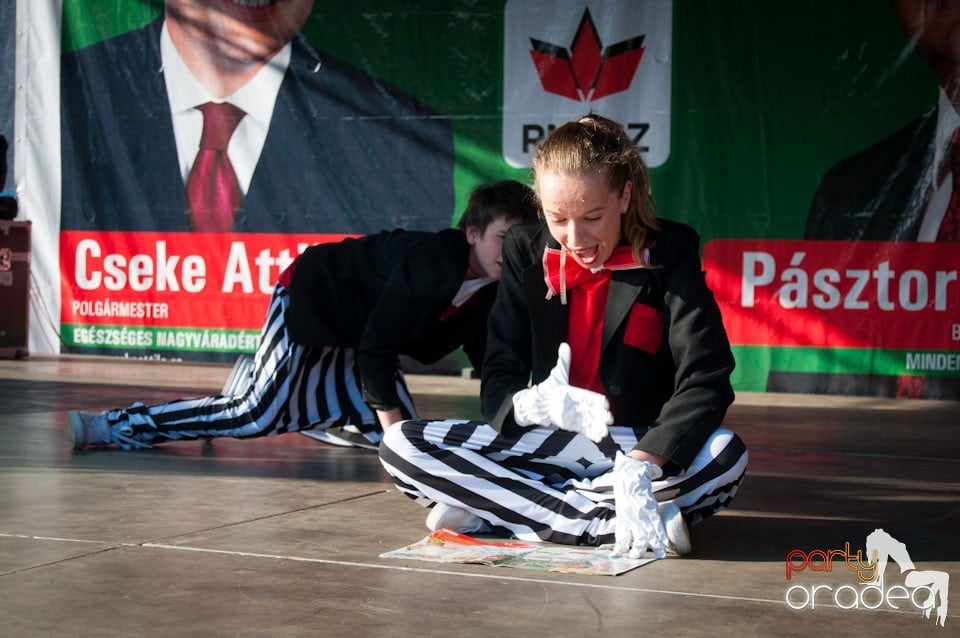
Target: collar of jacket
(550, 316)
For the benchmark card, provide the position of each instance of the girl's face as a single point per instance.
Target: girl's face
(583, 214)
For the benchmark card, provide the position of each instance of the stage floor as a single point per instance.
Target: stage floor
(282, 536)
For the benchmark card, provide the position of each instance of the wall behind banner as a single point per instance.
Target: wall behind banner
(765, 98)
(8, 25)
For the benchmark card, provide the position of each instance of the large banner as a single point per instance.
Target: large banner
(810, 145)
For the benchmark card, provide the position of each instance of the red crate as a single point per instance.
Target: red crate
(14, 288)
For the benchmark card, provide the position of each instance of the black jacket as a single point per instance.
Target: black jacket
(879, 193)
(383, 296)
(682, 389)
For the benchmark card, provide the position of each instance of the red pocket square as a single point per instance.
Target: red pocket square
(644, 328)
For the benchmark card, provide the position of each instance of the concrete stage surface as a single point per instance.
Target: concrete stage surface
(281, 536)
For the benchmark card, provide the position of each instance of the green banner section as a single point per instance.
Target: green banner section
(754, 363)
(176, 339)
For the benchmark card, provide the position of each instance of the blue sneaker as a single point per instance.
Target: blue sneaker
(85, 429)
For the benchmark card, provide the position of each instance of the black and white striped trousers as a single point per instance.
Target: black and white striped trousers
(293, 388)
(549, 484)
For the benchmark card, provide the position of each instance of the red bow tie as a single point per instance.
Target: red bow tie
(562, 274)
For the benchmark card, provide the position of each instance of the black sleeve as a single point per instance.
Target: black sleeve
(508, 360)
(416, 290)
(701, 354)
(475, 337)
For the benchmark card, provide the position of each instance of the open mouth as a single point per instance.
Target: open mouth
(586, 256)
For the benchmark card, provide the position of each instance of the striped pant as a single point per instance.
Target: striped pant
(293, 388)
(548, 484)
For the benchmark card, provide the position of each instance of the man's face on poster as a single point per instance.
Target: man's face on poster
(933, 27)
(241, 30)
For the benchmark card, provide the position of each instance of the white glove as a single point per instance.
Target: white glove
(555, 402)
(639, 525)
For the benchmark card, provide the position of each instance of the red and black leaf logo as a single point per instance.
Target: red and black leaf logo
(586, 71)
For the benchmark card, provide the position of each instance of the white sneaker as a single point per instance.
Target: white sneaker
(677, 532)
(444, 516)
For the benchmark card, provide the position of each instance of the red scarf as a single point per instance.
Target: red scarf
(573, 274)
(588, 300)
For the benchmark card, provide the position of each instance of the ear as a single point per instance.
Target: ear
(625, 196)
(473, 235)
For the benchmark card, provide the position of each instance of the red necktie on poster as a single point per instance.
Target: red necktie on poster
(950, 226)
(212, 188)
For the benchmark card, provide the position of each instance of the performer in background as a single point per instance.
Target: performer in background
(340, 317)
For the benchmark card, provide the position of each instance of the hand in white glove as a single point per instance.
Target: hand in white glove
(639, 525)
(555, 402)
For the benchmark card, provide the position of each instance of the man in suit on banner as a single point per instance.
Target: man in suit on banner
(314, 145)
(900, 188)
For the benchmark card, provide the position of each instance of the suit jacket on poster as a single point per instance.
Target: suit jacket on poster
(345, 153)
(383, 295)
(665, 359)
(880, 193)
